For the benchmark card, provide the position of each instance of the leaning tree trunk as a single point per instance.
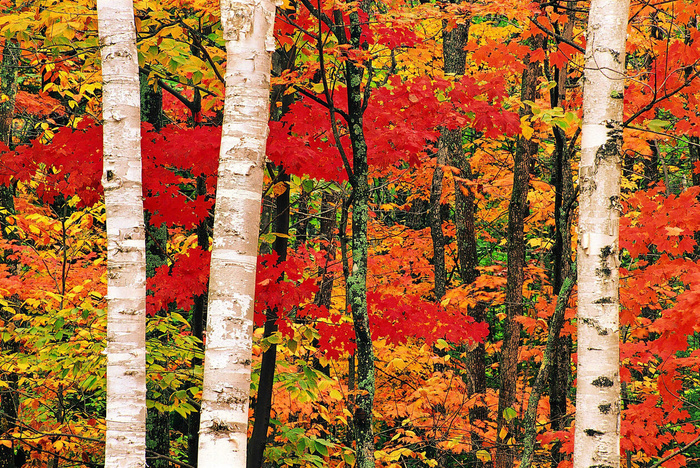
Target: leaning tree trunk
(247, 29)
(126, 241)
(597, 436)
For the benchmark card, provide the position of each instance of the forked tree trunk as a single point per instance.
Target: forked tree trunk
(247, 27)
(597, 436)
(126, 241)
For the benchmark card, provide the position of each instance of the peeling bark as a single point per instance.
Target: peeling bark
(125, 445)
(247, 27)
(597, 436)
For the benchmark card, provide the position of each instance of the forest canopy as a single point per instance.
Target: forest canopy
(454, 129)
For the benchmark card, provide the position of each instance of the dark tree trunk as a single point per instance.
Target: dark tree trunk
(530, 417)
(454, 63)
(303, 217)
(416, 217)
(357, 282)
(281, 60)
(517, 211)
(157, 422)
(151, 103)
(694, 150)
(436, 224)
(157, 429)
(197, 323)
(8, 87)
(9, 402)
(560, 372)
(454, 41)
(263, 405)
(651, 166)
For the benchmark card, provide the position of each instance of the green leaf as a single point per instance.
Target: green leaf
(509, 414)
(657, 125)
(320, 448)
(275, 339)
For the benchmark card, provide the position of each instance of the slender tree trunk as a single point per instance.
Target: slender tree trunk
(8, 87)
(8, 395)
(436, 223)
(247, 30)
(454, 57)
(465, 206)
(281, 60)
(597, 436)
(328, 226)
(560, 374)
(449, 144)
(530, 418)
(151, 103)
(258, 439)
(197, 326)
(357, 282)
(157, 422)
(303, 216)
(9, 401)
(126, 245)
(694, 153)
(525, 151)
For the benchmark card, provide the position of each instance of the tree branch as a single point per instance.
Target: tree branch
(557, 36)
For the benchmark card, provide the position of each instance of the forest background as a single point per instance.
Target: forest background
(471, 122)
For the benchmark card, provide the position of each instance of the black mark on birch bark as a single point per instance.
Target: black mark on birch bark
(602, 382)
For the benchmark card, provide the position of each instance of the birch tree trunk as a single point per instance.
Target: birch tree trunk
(597, 436)
(126, 246)
(247, 27)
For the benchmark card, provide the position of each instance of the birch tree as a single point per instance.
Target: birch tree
(597, 436)
(247, 27)
(126, 246)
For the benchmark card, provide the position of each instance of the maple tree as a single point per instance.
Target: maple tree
(438, 362)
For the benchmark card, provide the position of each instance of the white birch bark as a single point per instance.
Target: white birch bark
(247, 26)
(597, 436)
(126, 246)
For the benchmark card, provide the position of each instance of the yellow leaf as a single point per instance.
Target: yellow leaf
(58, 445)
(526, 129)
(503, 433)
(483, 455)
(441, 344)
(398, 364)
(336, 395)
